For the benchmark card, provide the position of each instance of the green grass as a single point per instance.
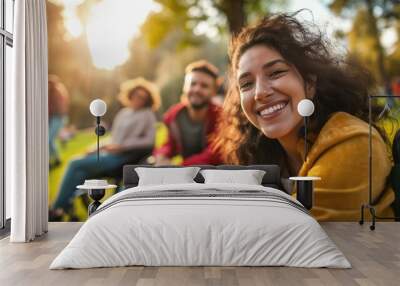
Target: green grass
(83, 141)
(76, 147)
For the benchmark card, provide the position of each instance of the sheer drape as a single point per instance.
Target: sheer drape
(27, 124)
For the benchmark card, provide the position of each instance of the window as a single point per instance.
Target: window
(6, 44)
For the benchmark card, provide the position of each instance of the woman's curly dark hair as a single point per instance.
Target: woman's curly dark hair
(341, 84)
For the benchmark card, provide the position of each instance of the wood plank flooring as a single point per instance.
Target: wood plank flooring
(375, 257)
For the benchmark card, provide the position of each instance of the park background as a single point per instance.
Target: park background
(94, 45)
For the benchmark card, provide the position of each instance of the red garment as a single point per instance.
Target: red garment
(173, 146)
(396, 88)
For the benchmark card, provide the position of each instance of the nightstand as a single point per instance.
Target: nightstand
(96, 191)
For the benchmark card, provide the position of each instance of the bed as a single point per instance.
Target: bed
(201, 224)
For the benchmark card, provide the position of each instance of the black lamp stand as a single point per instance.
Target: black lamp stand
(305, 138)
(370, 205)
(97, 194)
(100, 131)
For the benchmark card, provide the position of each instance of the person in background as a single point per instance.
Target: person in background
(274, 65)
(67, 134)
(191, 122)
(58, 100)
(388, 92)
(132, 139)
(396, 86)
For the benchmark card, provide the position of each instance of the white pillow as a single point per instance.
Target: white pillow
(163, 176)
(248, 177)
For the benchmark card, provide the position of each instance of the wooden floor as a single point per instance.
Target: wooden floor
(375, 257)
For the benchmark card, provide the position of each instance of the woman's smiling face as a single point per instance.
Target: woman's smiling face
(270, 89)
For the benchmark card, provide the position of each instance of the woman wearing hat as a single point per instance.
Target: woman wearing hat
(132, 138)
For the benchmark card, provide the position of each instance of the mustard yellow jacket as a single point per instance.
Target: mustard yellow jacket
(339, 156)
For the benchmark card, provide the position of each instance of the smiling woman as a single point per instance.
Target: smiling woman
(276, 64)
(110, 26)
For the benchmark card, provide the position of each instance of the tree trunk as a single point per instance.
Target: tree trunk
(235, 14)
(379, 48)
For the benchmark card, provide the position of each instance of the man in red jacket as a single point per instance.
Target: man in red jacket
(191, 122)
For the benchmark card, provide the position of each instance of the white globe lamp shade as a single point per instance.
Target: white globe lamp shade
(305, 107)
(98, 107)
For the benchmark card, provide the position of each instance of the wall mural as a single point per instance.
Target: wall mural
(197, 83)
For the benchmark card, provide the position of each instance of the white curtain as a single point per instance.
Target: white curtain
(27, 124)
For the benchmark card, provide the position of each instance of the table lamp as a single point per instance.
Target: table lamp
(98, 108)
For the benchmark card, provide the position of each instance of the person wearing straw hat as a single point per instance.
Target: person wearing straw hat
(132, 139)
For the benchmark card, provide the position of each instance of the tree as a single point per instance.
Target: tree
(186, 15)
(393, 59)
(56, 39)
(371, 17)
(174, 41)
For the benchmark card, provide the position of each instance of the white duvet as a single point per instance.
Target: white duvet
(188, 231)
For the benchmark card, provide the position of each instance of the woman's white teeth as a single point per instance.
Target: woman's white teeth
(272, 109)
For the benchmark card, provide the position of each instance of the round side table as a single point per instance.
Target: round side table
(305, 190)
(96, 192)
